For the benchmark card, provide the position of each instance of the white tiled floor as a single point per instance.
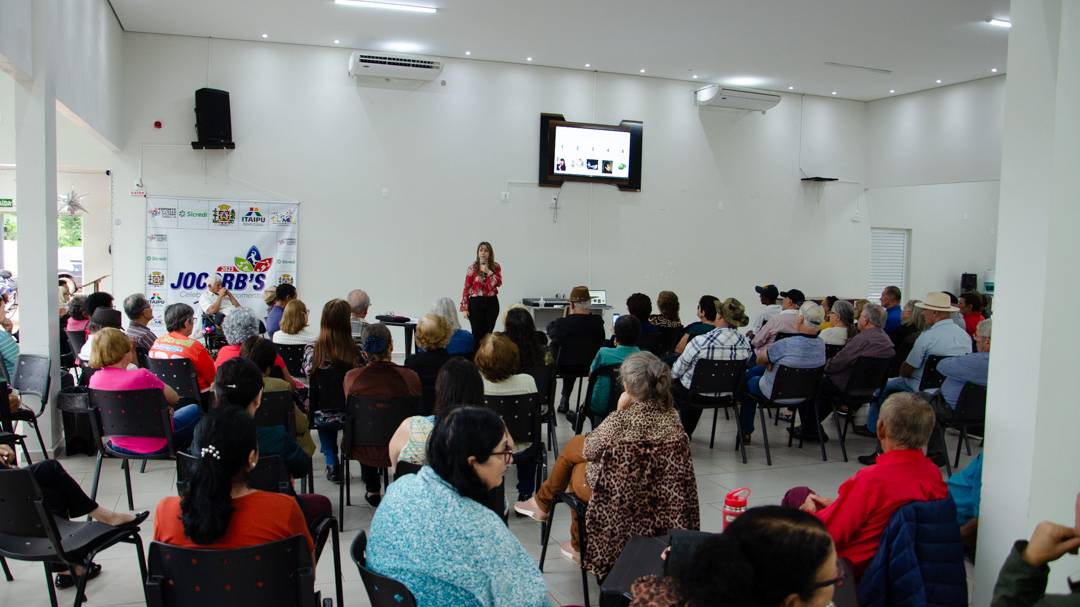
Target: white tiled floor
(718, 471)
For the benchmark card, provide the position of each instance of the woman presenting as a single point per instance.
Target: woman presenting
(479, 298)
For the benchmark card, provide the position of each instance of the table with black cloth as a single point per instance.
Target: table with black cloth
(641, 557)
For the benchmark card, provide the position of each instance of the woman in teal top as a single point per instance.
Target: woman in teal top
(458, 383)
(433, 533)
(627, 332)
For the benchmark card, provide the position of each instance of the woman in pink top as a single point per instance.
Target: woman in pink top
(77, 317)
(111, 356)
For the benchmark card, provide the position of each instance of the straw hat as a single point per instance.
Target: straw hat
(937, 302)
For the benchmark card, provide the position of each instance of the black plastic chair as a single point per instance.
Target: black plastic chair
(326, 393)
(970, 413)
(721, 380)
(381, 590)
(868, 376)
(8, 436)
(573, 359)
(522, 417)
(832, 350)
(29, 532)
(129, 413)
(579, 507)
(371, 424)
(77, 339)
(276, 574)
(651, 342)
(405, 468)
(293, 355)
(544, 376)
(142, 355)
(669, 338)
(931, 379)
(276, 409)
(790, 385)
(33, 378)
(584, 409)
(178, 374)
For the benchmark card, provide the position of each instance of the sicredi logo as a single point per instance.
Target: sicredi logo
(287, 216)
(163, 212)
(286, 262)
(253, 216)
(155, 279)
(244, 273)
(224, 215)
(194, 214)
(156, 258)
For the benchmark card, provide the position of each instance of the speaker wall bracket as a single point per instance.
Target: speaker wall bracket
(213, 145)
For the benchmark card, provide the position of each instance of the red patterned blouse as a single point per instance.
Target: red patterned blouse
(478, 284)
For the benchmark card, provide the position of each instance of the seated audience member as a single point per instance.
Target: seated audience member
(968, 368)
(461, 342)
(706, 314)
(859, 305)
(139, 314)
(459, 383)
(871, 342)
(217, 301)
(384, 380)
(890, 300)
(911, 324)
(770, 557)
(782, 322)
(359, 302)
(432, 334)
(261, 351)
(283, 294)
(826, 307)
(434, 533)
(519, 327)
(100, 299)
(627, 332)
(724, 342)
(965, 489)
(768, 295)
(294, 329)
(804, 350)
(579, 325)
(1023, 577)
(971, 306)
(238, 327)
(64, 498)
(645, 413)
(219, 509)
(498, 361)
(943, 337)
(269, 295)
(103, 318)
(841, 324)
(333, 350)
(9, 351)
(640, 306)
(668, 318)
(111, 356)
(178, 343)
(956, 316)
(78, 319)
(857, 517)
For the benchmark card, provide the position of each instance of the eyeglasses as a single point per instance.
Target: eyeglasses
(508, 455)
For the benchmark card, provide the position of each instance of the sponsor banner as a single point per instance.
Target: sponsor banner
(251, 245)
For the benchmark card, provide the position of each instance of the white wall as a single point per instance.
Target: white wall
(16, 54)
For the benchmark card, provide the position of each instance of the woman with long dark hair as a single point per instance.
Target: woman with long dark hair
(480, 297)
(335, 351)
(458, 383)
(521, 330)
(219, 509)
(434, 533)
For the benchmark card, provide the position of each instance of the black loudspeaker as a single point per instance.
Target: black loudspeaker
(213, 122)
(968, 282)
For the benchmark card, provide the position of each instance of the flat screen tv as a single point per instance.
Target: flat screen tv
(580, 151)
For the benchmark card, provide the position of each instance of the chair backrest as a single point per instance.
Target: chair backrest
(178, 374)
(832, 350)
(32, 376)
(544, 376)
(141, 356)
(795, 384)
(931, 379)
(405, 468)
(521, 413)
(373, 421)
(141, 413)
(669, 338)
(327, 388)
(867, 376)
(277, 574)
(575, 353)
(185, 468)
(276, 409)
(971, 404)
(652, 342)
(382, 591)
(270, 474)
(614, 381)
(67, 355)
(717, 376)
(76, 339)
(293, 355)
(22, 509)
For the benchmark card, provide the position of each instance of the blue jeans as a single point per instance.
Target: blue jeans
(749, 405)
(894, 385)
(328, 444)
(184, 421)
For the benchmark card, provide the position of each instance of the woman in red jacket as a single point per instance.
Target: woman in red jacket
(479, 298)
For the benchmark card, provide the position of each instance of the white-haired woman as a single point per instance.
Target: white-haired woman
(461, 342)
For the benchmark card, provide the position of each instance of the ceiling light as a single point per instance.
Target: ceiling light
(642, 70)
(1000, 23)
(336, 41)
(791, 88)
(694, 76)
(891, 91)
(403, 46)
(938, 81)
(588, 65)
(528, 59)
(993, 69)
(266, 35)
(834, 92)
(408, 8)
(467, 53)
(745, 81)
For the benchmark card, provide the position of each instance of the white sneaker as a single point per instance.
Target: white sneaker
(568, 552)
(531, 509)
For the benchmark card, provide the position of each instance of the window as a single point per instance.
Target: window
(888, 260)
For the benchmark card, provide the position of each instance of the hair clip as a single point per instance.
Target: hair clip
(211, 451)
(230, 386)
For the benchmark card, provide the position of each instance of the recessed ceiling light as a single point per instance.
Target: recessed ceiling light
(745, 81)
(588, 65)
(528, 59)
(403, 46)
(336, 41)
(266, 35)
(694, 76)
(891, 91)
(642, 70)
(791, 88)
(408, 8)
(993, 69)
(938, 81)
(1000, 23)
(467, 53)
(834, 92)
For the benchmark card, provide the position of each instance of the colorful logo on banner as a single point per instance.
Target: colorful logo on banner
(253, 217)
(224, 215)
(164, 213)
(245, 272)
(285, 279)
(283, 217)
(155, 299)
(196, 214)
(155, 279)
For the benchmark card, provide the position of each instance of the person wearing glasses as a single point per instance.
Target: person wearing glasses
(433, 532)
(769, 556)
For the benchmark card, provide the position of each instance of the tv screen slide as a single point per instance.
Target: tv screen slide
(587, 152)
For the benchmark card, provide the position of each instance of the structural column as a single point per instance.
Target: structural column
(1031, 470)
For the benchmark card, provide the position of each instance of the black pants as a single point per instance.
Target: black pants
(483, 312)
(827, 393)
(689, 416)
(372, 478)
(62, 495)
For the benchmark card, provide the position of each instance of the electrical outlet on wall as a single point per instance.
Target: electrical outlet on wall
(504, 196)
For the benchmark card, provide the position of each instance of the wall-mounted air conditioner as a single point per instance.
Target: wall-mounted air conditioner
(393, 66)
(716, 95)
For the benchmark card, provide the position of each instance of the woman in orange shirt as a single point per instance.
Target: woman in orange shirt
(219, 509)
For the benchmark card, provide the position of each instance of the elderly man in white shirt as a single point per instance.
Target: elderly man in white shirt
(216, 299)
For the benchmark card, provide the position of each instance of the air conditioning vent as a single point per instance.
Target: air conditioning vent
(393, 66)
(400, 61)
(740, 99)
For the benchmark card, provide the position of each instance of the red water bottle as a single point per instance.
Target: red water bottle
(735, 504)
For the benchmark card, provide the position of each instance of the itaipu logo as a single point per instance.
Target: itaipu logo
(247, 272)
(253, 216)
(283, 217)
(155, 299)
(224, 215)
(155, 279)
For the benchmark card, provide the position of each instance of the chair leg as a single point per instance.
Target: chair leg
(97, 477)
(583, 541)
(7, 572)
(49, 585)
(127, 481)
(545, 534)
(739, 444)
(80, 582)
(820, 429)
(45, 452)
(26, 452)
(341, 506)
(336, 543)
(712, 437)
(959, 443)
(727, 416)
(765, 434)
(346, 479)
(137, 540)
(142, 469)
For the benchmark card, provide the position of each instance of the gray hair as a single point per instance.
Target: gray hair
(177, 315)
(875, 314)
(445, 307)
(647, 378)
(239, 325)
(983, 328)
(813, 314)
(908, 419)
(134, 305)
(213, 279)
(845, 311)
(359, 301)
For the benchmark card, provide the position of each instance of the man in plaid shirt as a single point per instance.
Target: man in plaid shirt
(725, 342)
